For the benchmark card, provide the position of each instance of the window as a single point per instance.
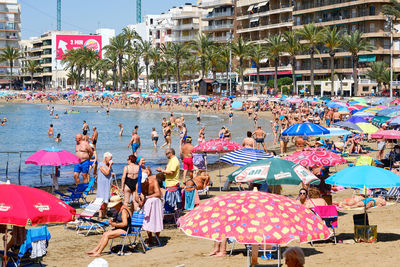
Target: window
(372, 27)
(365, 88)
(371, 10)
(372, 42)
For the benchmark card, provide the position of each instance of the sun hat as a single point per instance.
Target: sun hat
(114, 201)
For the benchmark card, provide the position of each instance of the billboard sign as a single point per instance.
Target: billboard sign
(68, 42)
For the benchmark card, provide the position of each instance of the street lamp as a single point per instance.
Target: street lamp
(230, 62)
(389, 25)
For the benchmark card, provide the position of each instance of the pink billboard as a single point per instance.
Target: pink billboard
(67, 42)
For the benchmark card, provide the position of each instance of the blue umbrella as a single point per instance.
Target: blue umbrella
(335, 105)
(364, 177)
(244, 156)
(237, 105)
(387, 111)
(357, 120)
(231, 96)
(336, 132)
(363, 114)
(347, 124)
(305, 129)
(395, 121)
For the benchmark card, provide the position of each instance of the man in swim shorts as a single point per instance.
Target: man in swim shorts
(84, 152)
(260, 135)
(187, 157)
(85, 128)
(135, 141)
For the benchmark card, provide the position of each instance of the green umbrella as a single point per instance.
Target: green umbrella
(380, 119)
(274, 171)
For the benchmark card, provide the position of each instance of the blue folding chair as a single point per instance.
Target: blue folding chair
(24, 255)
(76, 194)
(135, 231)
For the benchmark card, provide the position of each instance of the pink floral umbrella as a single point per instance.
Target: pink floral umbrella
(387, 134)
(254, 218)
(215, 146)
(52, 157)
(316, 157)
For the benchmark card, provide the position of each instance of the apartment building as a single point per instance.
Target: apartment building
(257, 20)
(218, 19)
(160, 29)
(10, 33)
(348, 15)
(187, 22)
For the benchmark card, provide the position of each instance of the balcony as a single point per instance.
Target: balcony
(338, 20)
(187, 15)
(183, 38)
(266, 13)
(317, 6)
(182, 27)
(242, 3)
(220, 39)
(288, 23)
(215, 15)
(33, 57)
(216, 3)
(36, 49)
(225, 26)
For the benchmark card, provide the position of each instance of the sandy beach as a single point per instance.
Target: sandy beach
(66, 248)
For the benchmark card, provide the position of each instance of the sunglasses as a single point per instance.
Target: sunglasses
(302, 193)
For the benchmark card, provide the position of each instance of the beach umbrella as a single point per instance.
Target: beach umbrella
(325, 98)
(335, 104)
(387, 134)
(396, 101)
(387, 111)
(347, 124)
(254, 218)
(395, 121)
(273, 171)
(367, 128)
(215, 146)
(253, 98)
(305, 129)
(316, 157)
(244, 156)
(237, 105)
(295, 100)
(380, 119)
(363, 113)
(356, 120)
(20, 205)
(336, 132)
(52, 157)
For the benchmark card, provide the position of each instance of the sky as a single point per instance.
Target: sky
(39, 16)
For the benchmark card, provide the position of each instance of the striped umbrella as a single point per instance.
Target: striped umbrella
(244, 156)
(305, 129)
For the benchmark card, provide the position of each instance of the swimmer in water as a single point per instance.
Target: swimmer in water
(56, 116)
(121, 129)
(50, 132)
(58, 138)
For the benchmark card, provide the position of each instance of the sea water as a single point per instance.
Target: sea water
(26, 130)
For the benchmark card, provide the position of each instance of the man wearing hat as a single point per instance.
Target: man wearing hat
(121, 223)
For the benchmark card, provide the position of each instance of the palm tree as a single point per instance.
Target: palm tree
(332, 41)
(146, 48)
(31, 67)
(131, 36)
(112, 62)
(155, 56)
(241, 50)
(74, 76)
(377, 73)
(192, 67)
(354, 44)
(90, 57)
(119, 46)
(314, 36)
(213, 59)
(166, 58)
(392, 10)
(275, 47)
(293, 47)
(10, 54)
(178, 52)
(258, 53)
(202, 45)
(225, 57)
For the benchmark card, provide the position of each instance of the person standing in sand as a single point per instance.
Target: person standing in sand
(84, 152)
(260, 135)
(187, 157)
(248, 141)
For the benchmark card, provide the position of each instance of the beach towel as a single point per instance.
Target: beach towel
(199, 161)
(173, 199)
(190, 198)
(153, 215)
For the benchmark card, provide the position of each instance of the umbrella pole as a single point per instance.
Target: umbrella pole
(219, 173)
(4, 261)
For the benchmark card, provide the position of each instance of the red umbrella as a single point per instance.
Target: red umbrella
(387, 134)
(316, 157)
(214, 146)
(22, 204)
(53, 157)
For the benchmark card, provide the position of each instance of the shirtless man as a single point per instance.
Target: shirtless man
(150, 201)
(198, 116)
(336, 116)
(84, 152)
(199, 182)
(85, 128)
(187, 157)
(300, 143)
(172, 121)
(94, 137)
(260, 135)
(50, 132)
(135, 141)
(249, 141)
(178, 125)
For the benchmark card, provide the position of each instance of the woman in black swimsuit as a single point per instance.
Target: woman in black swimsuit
(121, 224)
(129, 179)
(167, 135)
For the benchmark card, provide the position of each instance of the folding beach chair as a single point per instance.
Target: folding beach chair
(27, 253)
(75, 196)
(90, 188)
(393, 193)
(135, 231)
(329, 215)
(268, 252)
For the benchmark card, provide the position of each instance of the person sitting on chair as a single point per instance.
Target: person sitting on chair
(199, 182)
(121, 223)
